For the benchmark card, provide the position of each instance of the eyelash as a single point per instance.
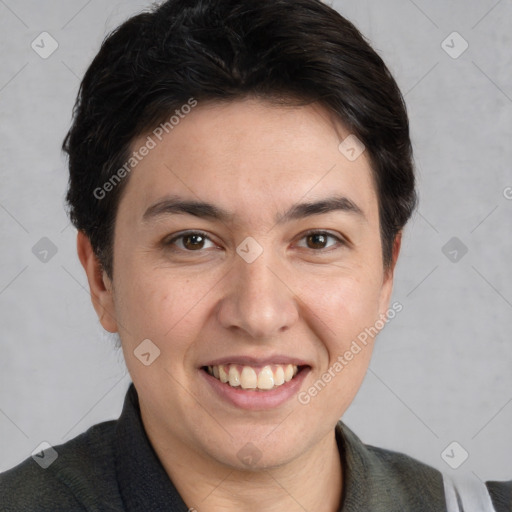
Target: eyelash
(340, 240)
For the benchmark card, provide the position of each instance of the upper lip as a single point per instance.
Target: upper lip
(256, 361)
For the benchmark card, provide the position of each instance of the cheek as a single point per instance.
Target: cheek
(162, 306)
(346, 305)
(345, 309)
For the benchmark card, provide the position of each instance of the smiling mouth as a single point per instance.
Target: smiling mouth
(246, 377)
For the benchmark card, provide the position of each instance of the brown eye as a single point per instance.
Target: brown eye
(190, 242)
(193, 242)
(317, 240)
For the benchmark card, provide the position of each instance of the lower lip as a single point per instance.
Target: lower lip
(256, 400)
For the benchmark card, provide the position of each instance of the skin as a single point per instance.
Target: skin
(297, 298)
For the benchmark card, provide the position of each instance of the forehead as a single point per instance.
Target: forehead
(250, 155)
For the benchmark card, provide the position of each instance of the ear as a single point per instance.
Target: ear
(387, 284)
(99, 283)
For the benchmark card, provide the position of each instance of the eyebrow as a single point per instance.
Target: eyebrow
(176, 205)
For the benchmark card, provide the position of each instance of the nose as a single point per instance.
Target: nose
(259, 301)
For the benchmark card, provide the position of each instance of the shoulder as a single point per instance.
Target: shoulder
(415, 472)
(409, 476)
(402, 482)
(81, 477)
(382, 479)
(28, 487)
(414, 477)
(399, 463)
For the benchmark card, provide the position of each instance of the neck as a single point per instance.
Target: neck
(313, 481)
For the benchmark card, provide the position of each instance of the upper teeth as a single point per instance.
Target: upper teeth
(248, 377)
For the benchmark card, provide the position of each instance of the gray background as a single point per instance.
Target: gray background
(442, 368)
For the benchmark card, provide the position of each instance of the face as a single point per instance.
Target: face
(249, 285)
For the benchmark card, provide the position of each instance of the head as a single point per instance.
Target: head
(220, 218)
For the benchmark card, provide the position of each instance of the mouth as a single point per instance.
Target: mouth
(254, 378)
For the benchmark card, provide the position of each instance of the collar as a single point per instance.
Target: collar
(143, 482)
(379, 480)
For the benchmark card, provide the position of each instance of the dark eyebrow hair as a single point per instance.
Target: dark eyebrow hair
(176, 205)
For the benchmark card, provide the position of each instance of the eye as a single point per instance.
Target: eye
(190, 241)
(317, 240)
(194, 241)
